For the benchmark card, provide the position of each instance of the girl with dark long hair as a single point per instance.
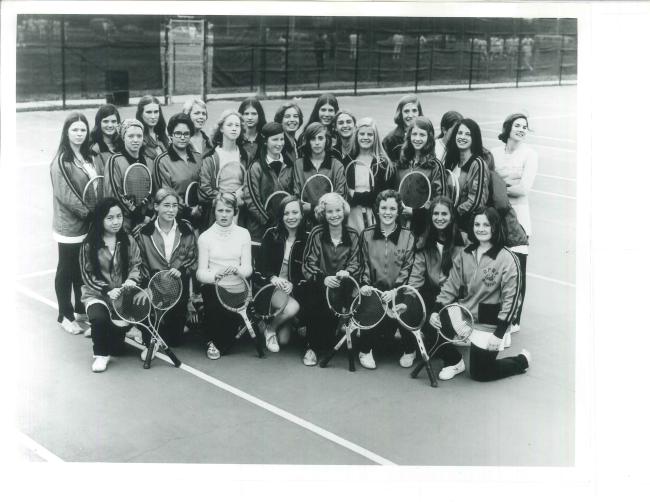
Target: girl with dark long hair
(105, 136)
(290, 117)
(150, 115)
(408, 107)
(254, 119)
(110, 260)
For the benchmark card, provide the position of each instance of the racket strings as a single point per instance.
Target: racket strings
(137, 183)
(129, 309)
(369, 311)
(270, 301)
(456, 323)
(409, 309)
(414, 189)
(234, 296)
(165, 290)
(342, 299)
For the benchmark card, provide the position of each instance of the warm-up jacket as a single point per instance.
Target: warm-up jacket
(69, 215)
(172, 172)
(489, 289)
(474, 185)
(387, 260)
(269, 262)
(427, 267)
(152, 249)
(330, 167)
(101, 154)
(260, 182)
(322, 258)
(379, 184)
(393, 142)
(431, 168)
(154, 147)
(209, 174)
(95, 286)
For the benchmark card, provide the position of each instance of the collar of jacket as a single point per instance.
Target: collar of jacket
(133, 160)
(175, 157)
(183, 226)
(492, 252)
(327, 163)
(345, 235)
(466, 165)
(393, 236)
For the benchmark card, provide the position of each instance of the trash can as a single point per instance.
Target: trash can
(117, 87)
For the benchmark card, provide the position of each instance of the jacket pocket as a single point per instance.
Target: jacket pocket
(488, 313)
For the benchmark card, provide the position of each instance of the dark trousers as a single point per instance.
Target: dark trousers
(522, 264)
(220, 325)
(173, 323)
(68, 280)
(485, 367)
(108, 339)
(386, 328)
(320, 321)
(447, 352)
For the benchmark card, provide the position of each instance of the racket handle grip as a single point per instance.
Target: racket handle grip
(417, 369)
(147, 360)
(351, 365)
(175, 360)
(432, 377)
(350, 347)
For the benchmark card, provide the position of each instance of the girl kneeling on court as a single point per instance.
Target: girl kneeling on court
(418, 155)
(280, 264)
(387, 257)
(224, 248)
(168, 243)
(432, 266)
(332, 251)
(110, 259)
(485, 279)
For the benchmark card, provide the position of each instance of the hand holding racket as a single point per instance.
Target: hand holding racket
(137, 185)
(454, 323)
(410, 311)
(282, 284)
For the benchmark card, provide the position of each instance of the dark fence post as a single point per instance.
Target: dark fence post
(378, 63)
(471, 62)
(286, 61)
(204, 83)
(263, 65)
(559, 82)
(63, 61)
(417, 62)
(518, 62)
(252, 67)
(83, 80)
(174, 66)
(356, 59)
(166, 89)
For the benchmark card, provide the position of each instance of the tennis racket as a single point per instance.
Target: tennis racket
(314, 188)
(137, 184)
(93, 192)
(453, 187)
(134, 306)
(192, 194)
(409, 310)
(415, 189)
(269, 302)
(230, 177)
(273, 202)
(234, 293)
(165, 291)
(368, 310)
(342, 301)
(457, 326)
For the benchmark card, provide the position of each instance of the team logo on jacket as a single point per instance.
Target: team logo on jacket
(489, 276)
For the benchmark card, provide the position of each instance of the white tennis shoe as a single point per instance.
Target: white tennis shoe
(367, 361)
(449, 372)
(100, 363)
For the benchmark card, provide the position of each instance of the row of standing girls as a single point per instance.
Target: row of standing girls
(270, 157)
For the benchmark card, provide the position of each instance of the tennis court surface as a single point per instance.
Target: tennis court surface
(241, 409)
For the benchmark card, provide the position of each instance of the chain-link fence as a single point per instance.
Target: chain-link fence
(75, 57)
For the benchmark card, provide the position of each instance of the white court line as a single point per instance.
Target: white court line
(37, 274)
(554, 194)
(330, 436)
(556, 281)
(556, 177)
(38, 449)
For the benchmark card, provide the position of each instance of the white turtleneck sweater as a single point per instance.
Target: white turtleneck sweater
(220, 247)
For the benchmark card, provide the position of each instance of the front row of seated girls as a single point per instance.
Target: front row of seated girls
(484, 276)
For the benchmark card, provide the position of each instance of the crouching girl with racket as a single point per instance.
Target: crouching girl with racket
(168, 243)
(331, 253)
(224, 250)
(110, 260)
(486, 280)
(280, 265)
(387, 257)
(432, 265)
